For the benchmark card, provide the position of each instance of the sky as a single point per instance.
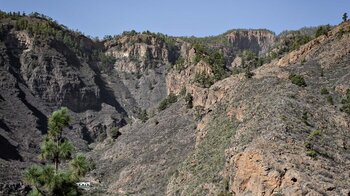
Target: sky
(183, 17)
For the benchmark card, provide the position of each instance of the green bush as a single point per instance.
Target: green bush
(214, 58)
(172, 98)
(183, 91)
(330, 100)
(107, 61)
(346, 103)
(322, 72)
(143, 116)
(180, 64)
(311, 153)
(189, 100)
(323, 30)
(163, 105)
(324, 91)
(102, 136)
(297, 80)
(248, 73)
(299, 41)
(199, 112)
(314, 134)
(203, 79)
(114, 133)
(304, 118)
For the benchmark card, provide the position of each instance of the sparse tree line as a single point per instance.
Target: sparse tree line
(42, 27)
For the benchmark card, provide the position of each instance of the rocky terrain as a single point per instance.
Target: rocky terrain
(161, 115)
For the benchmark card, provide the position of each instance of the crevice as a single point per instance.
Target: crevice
(8, 151)
(107, 95)
(41, 118)
(4, 126)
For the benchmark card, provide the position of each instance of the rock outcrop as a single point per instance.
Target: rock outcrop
(287, 139)
(258, 41)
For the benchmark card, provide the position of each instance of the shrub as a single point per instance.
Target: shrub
(203, 79)
(303, 62)
(107, 61)
(324, 91)
(143, 116)
(183, 91)
(323, 30)
(346, 103)
(199, 112)
(172, 98)
(322, 72)
(297, 80)
(102, 136)
(330, 100)
(304, 118)
(311, 153)
(150, 86)
(180, 64)
(163, 105)
(314, 134)
(248, 73)
(114, 133)
(189, 100)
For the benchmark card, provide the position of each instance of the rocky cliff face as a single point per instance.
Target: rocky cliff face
(280, 138)
(142, 60)
(38, 75)
(258, 41)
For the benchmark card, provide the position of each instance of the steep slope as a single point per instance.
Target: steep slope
(272, 136)
(146, 154)
(39, 73)
(121, 166)
(142, 60)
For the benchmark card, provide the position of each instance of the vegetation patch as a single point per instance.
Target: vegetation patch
(311, 153)
(330, 100)
(324, 91)
(297, 80)
(215, 60)
(312, 139)
(346, 103)
(114, 132)
(189, 100)
(143, 116)
(208, 160)
(203, 79)
(172, 98)
(323, 30)
(53, 179)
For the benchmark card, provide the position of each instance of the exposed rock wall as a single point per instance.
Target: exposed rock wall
(258, 41)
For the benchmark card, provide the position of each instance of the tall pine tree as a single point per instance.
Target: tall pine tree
(50, 179)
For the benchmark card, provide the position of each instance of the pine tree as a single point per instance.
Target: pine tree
(345, 17)
(50, 179)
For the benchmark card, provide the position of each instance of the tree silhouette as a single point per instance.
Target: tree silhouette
(345, 17)
(49, 179)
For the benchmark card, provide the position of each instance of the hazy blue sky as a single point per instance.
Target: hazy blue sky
(183, 17)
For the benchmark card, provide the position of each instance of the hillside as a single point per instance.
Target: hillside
(194, 116)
